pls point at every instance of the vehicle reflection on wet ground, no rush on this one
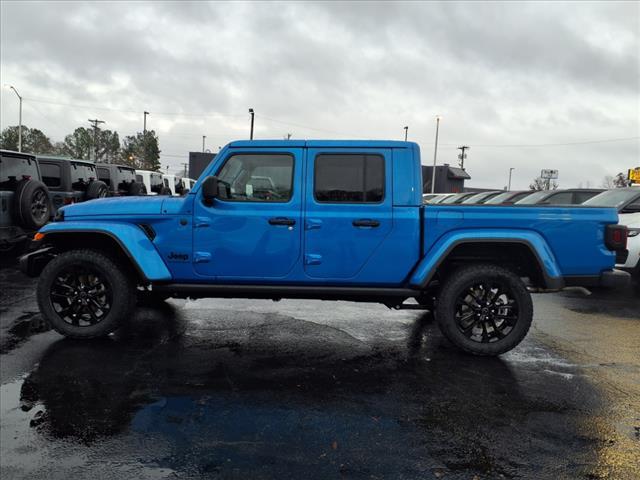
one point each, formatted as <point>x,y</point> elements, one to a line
<point>254,389</point>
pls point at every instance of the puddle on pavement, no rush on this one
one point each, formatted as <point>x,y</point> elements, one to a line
<point>25,326</point>
<point>278,397</point>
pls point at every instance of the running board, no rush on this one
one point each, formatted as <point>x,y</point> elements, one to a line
<point>276,292</point>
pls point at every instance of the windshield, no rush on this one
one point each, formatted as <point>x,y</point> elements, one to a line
<point>612,198</point>
<point>533,198</point>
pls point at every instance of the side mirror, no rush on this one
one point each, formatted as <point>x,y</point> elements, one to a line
<point>210,190</point>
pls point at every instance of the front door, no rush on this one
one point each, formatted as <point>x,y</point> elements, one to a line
<point>255,233</point>
<point>348,211</point>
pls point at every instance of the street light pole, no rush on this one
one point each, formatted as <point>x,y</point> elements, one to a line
<point>203,139</point>
<point>95,123</point>
<point>510,170</point>
<point>435,156</point>
<point>252,113</point>
<point>19,118</point>
<point>406,131</point>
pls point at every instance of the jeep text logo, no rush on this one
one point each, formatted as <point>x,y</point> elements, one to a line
<point>178,256</point>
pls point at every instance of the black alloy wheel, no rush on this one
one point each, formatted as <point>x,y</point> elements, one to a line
<point>86,293</point>
<point>484,309</point>
<point>81,296</point>
<point>486,312</point>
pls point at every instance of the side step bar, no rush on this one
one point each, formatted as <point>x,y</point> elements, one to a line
<point>276,292</point>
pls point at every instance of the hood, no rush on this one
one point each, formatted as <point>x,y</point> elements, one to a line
<point>116,206</point>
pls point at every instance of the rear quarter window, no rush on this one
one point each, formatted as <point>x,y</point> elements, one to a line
<point>51,175</point>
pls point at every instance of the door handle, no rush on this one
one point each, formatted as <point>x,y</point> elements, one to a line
<point>282,221</point>
<point>366,222</point>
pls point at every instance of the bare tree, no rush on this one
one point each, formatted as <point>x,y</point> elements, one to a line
<point>543,184</point>
<point>608,182</point>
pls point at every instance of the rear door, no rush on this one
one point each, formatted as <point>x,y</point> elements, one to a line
<point>348,210</point>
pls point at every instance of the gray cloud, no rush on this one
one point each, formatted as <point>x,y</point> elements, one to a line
<point>500,73</point>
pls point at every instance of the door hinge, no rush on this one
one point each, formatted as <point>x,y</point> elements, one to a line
<point>312,224</point>
<point>201,257</point>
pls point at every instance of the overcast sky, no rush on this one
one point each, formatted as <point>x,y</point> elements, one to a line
<point>501,74</point>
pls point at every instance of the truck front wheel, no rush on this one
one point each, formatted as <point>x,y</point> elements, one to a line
<point>484,309</point>
<point>85,294</point>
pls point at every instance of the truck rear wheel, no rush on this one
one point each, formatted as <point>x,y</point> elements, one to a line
<point>85,294</point>
<point>484,309</point>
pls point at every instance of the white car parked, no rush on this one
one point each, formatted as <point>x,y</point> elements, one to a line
<point>627,201</point>
<point>151,180</point>
<point>173,183</point>
<point>188,183</point>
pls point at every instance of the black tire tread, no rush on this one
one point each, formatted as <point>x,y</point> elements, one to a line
<point>447,297</point>
<point>124,306</point>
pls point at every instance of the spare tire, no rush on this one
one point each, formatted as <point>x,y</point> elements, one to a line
<point>136,189</point>
<point>96,189</point>
<point>31,205</point>
<point>166,191</point>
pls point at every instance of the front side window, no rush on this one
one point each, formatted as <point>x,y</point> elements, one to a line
<point>258,178</point>
<point>50,174</point>
<point>348,178</point>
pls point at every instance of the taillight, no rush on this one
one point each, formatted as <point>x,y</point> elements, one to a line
<point>616,237</point>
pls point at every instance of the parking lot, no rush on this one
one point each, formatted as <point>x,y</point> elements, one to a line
<point>257,389</point>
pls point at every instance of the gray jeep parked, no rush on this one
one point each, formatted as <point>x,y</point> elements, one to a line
<point>120,179</point>
<point>24,199</point>
<point>70,180</point>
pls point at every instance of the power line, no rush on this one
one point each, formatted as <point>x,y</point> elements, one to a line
<point>108,109</point>
<point>586,142</point>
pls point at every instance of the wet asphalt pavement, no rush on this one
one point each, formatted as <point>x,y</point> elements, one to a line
<point>318,390</point>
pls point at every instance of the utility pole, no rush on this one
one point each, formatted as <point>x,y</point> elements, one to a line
<point>435,156</point>
<point>406,132</point>
<point>144,139</point>
<point>510,170</point>
<point>95,123</point>
<point>463,155</point>
<point>252,113</point>
<point>204,137</point>
<point>19,118</point>
<point>185,169</point>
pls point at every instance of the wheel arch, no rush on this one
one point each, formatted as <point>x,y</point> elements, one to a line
<point>128,243</point>
<point>528,255</point>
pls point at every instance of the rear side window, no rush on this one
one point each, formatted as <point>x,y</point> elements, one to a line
<point>562,198</point>
<point>584,196</point>
<point>14,169</point>
<point>347,178</point>
<point>50,174</point>
<point>139,178</point>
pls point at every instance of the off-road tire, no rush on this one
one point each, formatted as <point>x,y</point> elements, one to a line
<point>32,206</point>
<point>462,279</point>
<point>122,291</point>
<point>96,189</point>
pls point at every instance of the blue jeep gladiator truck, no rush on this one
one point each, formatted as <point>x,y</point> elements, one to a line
<point>331,220</point>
